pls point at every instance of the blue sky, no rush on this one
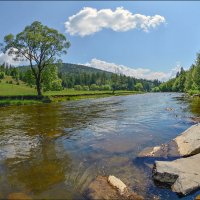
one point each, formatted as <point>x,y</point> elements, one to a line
<point>175,41</point>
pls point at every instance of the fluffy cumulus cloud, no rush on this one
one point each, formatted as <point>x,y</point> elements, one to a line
<point>9,60</point>
<point>90,20</point>
<point>137,72</point>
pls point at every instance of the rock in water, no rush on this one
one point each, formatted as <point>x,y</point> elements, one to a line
<point>18,196</point>
<point>183,175</point>
<point>100,189</point>
<point>189,141</point>
<point>117,183</point>
<point>186,144</point>
<point>197,197</point>
<point>110,188</point>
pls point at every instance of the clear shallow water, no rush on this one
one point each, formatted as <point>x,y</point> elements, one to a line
<point>53,151</point>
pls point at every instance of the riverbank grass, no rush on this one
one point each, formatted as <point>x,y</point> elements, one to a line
<point>16,102</point>
<point>7,89</point>
<point>20,94</point>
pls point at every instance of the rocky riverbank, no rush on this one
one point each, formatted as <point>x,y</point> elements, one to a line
<point>183,173</point>
<point>110,187</point>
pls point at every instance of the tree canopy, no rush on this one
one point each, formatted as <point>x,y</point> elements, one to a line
<point>40,46</point>
<point>185,81</point>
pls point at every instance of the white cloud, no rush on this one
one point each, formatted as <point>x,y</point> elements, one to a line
<point>9,60</point>
<point>137,72</point>
<point>90,20</point>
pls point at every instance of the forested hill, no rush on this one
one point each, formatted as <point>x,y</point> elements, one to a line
<point>185,81</point>
<point>76,68</point>
<point>71,69</point>
<point>74,74</point>
<point>80,77</point>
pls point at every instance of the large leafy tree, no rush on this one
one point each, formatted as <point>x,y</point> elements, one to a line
<point>38,44</point>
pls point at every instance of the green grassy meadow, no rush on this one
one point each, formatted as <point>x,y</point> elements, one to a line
<point>21,89</point>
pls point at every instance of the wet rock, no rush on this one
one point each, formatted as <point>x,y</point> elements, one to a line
<point>197,197</point>
<point>149,151</point>
<point>169,109</point>
<point>107,188</point>
<point>186,144</point>
<point>196,95</point>
<point>196,119</point>
<point>164,150</point>
<point>117,183</point>
<point>18,196</point>
<point>100,189</point>
<point>183,175</point>
<point>189,141</point>
<point>155,198</point>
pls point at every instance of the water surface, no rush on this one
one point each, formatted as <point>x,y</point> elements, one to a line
<point>53,151</point>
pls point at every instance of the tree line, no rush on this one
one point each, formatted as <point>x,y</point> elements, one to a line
<point>55,78</point>
<point>185,81</point>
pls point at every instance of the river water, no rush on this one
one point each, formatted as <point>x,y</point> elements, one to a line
<point>53,151</point>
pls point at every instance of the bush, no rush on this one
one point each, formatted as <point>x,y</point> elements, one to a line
<point>57,85</point>
<point>2,75</point>
<point>192,92</point>
<point>10,82</point>
<point>94,87</point>
<point>17,83</point>
<point>156,89</point>
<point>78,87</point>
<point>105,87</point>
<point>139,87</point>
<point>85,87</point>
<point>46,100</point>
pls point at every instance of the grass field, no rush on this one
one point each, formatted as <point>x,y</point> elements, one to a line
<point>22,90</point>
<point>15,90</point>
<point>8,90</point>
<point>73,92</point>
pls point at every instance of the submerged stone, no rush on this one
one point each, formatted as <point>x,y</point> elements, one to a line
<point>183,175</point>
<point>197,197</point>
<point>195,119</point>
<point>107,188</point>
<point>18,196</point>
<point>186,144</point>
<point>115,182</point>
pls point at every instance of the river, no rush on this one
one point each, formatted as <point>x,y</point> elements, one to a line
<point>53,151</point>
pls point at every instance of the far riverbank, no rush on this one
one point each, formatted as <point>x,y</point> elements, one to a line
<point>59,96</point>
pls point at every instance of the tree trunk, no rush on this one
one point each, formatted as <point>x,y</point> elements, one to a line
<point>38,86</point>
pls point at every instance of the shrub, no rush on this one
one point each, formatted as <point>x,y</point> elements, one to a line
<point>94,87</point>
<point>105,87</point>
<point>85,87</point>
<point>78,87</point>
<point>139,87</point>
<point>156,89</point>
<point>192,92</point>
<point>10,82</point>
<point>2,75</point>
<point>57,85</point>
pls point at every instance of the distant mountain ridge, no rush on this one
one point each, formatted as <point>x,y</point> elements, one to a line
<point>78,68</point>
<point>73,69</point>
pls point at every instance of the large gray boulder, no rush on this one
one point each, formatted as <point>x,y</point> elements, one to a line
<point>183,175</point>
<point>186,144</point>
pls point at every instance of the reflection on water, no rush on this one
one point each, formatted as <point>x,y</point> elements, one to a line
<point>53,151</point>
<point>195,106</point>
